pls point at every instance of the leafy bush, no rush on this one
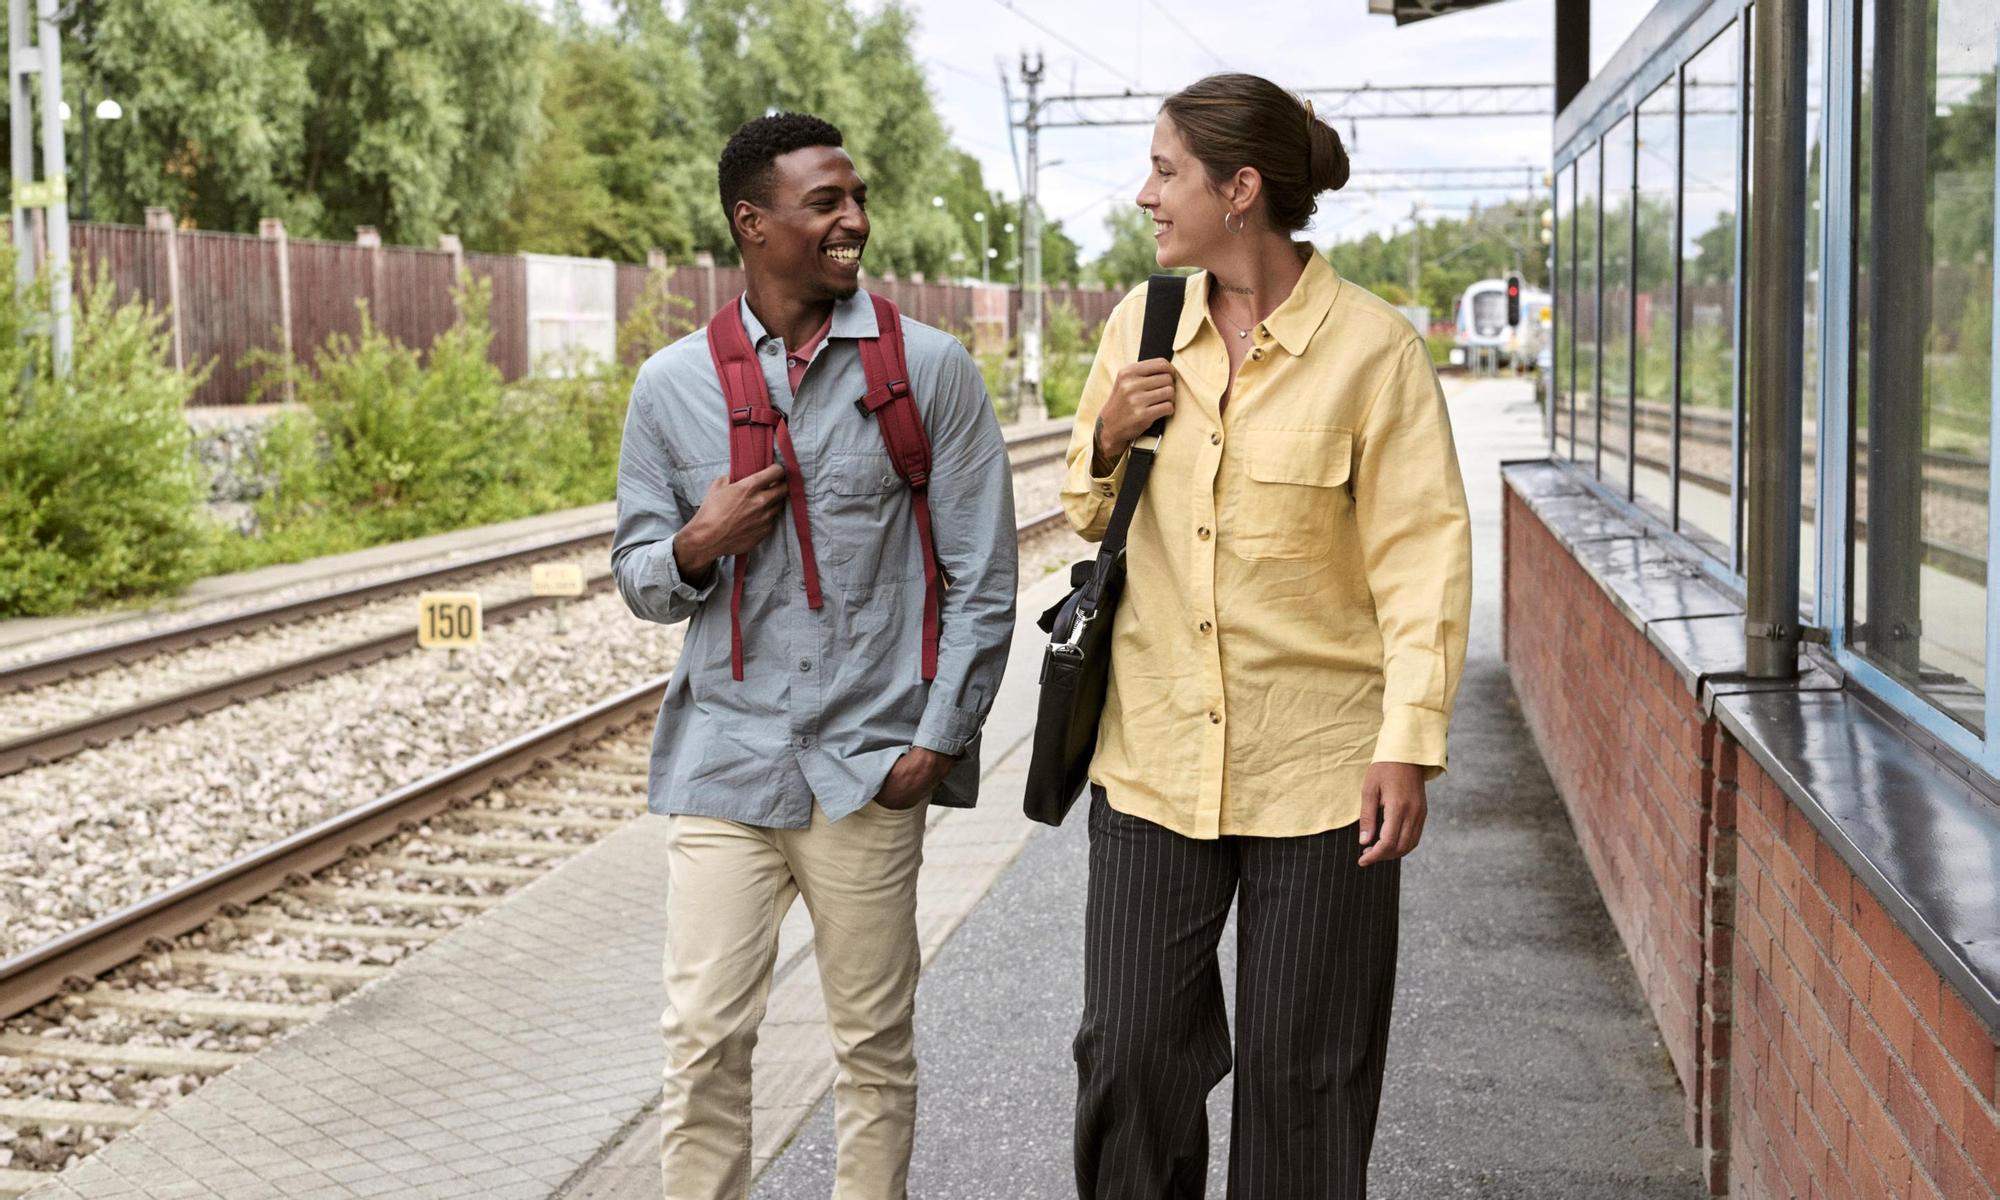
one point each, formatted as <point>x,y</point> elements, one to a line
<point>1066,354</point>
<point>391,445</point>
<point>394,444</point>
<point>100,494</point>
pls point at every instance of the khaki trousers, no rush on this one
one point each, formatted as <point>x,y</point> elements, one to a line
<point>728,888</point>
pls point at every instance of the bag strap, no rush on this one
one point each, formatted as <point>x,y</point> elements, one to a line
<point>890,402</point>
<point>755,428</point>
<point>1165,297</point>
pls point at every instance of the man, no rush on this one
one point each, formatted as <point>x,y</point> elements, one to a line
<point>799,741</point>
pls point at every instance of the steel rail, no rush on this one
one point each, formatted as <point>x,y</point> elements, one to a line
<point>38,974</point>
<point>91,659</point>
<point>76,957</point>
<point>126,651</point>
<point>45,746</point>
<point>1941,555</point>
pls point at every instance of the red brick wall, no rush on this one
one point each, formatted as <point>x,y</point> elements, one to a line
<point>1858,1072</point>
<point>1624,742</point>
<point>1820,1053</point>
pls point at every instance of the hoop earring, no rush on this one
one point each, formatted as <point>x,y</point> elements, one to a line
<point>1242,223</point>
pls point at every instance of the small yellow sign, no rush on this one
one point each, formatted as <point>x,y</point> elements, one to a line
<point>41,193</point>
<point>449,619</point>
<point>556,579</point>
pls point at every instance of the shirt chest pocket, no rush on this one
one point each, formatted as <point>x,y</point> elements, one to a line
<point>865,507</point>
<point>1291,489</point>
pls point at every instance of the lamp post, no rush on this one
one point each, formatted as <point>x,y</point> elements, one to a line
<point>1013,251</point>
<point>985,273</point>
<point>106,110</point>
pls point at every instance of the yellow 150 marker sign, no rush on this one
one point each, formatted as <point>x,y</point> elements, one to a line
<point>448,619</point>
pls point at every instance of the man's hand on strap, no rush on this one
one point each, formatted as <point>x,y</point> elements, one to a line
<point>733,519</point>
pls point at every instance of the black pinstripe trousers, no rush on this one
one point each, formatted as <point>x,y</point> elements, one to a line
<point>1315,975</point>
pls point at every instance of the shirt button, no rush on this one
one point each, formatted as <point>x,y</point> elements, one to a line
<point>887,480</point>
<point>805,664</point>
<point>1215,439</point>
<point>1205,627</point>
<point>806,742</point>
<point>1214,718</point>
<point>770,348</point>
<point>1258,353</point>
<point>1202,533</point>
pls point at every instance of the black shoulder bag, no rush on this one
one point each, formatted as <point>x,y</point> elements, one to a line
<point>1076,667</point>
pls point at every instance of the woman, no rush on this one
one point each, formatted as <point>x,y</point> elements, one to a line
<point>1282,673</point>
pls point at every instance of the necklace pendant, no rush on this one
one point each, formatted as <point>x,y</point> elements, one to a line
<point>1242,333</point>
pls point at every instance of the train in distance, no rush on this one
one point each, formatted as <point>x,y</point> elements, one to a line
<point>1512,329</point>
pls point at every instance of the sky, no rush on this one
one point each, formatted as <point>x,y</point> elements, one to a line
<point>1097,46</point>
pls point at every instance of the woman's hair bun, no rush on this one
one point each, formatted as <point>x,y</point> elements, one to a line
<point>1232,121</point>
<point>1329,156</point>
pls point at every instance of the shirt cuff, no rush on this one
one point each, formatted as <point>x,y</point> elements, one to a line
<point>1107,485</point>
<point>678,583</point>
<point>1411,734</point>
<point>947,729</point>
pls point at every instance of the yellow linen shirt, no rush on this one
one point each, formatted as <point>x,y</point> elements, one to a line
<point>1300,568</point>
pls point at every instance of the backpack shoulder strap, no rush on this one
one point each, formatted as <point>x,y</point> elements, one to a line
<point>755,430</point>
<point>894,408</point>
<point>751,417</point>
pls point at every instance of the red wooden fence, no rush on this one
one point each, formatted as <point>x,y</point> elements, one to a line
<point>231,290</point>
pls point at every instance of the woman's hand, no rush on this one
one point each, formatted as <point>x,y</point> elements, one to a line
<point>1392,810</point>
<point>1142,394</point>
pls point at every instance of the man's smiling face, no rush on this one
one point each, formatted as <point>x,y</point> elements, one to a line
<point>817,224</point>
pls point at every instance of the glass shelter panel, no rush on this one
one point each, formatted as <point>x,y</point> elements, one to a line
<point>1616,313</point>
<point>1708,290</point>
<point>1809,390</point>
<point>1924,312</point>
<point>1588,214</point>
<point>1564,356</point>
<point>1653,318</point>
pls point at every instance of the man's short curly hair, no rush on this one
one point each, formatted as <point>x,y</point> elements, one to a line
<point>744,170</point>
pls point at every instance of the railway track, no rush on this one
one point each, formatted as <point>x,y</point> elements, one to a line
<point>1954,478</point>
<point>47,721</point>
<point>121,1016</point>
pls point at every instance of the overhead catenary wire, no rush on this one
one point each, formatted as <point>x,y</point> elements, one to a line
<point>1059,36</point>
<point>1189,34</point>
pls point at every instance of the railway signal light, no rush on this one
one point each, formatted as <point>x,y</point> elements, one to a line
<point>1513,300</point>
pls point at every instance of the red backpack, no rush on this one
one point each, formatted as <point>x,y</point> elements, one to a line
<point>755,427</point>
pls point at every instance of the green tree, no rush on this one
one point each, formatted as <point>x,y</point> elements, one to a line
<point>414,116</point>
<point>220,156</point>
<point>860,73</point>
<point>1131,257</point>
<point>609,178</point>
<point>1061,261</point>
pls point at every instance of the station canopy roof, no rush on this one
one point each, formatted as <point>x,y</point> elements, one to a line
<point>1406,11</point>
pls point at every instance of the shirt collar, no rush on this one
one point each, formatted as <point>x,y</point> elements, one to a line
<point>805,350</point>
<point>1292,324</point>
<point>1304,311</point>
<point>853,317</point>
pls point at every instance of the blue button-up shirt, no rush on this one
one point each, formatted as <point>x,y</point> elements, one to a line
<point>829,699</point>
